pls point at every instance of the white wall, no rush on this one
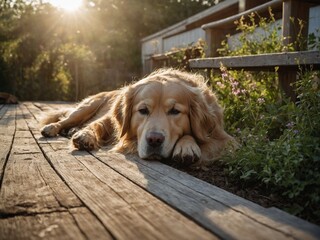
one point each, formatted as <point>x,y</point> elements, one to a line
<point>153,46</point>
<point>184,39</point>
<point>159,45</point>
<point>314,27</point>
<point>258,35</point>
<point>314,21</point>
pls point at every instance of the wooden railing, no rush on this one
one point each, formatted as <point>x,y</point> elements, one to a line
<point>288,62</point>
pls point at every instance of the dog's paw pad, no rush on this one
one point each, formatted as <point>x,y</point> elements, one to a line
<point>50,130</point>
<point>85,140</point>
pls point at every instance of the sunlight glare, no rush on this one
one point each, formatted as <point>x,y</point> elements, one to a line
<point>68,5</point>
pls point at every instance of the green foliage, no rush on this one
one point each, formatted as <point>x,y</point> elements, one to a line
<point>266,40</point>
<point>280,139</point>
<point>49,54</point>
<point>281,146</point>
<point>179,58</point>
<point>314,40</point>
<point>246,94</point>
<point>38,58</point>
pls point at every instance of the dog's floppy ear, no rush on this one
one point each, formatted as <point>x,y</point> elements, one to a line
<point>122,110</point>
<point>206,116</point>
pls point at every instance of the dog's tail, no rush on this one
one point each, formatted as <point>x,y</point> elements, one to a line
<point>53,116</point>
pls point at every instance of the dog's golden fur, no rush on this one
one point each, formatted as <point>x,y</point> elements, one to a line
<point>169,114</point>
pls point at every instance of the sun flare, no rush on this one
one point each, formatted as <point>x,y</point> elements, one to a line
<point>68,5</point>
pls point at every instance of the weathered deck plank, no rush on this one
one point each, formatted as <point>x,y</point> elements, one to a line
<point>30,185</point>
<point>117,202</point>
<point>7,130</point>
<point>34,201</point>
<point>55,225</point>
<point>216,209</point>
<point>91,227</point>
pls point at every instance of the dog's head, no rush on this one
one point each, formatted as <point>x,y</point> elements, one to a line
<point>152,114</point>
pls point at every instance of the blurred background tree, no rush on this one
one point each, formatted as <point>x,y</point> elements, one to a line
<point>47,53</point>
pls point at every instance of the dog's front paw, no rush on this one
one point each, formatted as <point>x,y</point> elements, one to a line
<point>186,151</point>
<point>50,130</point>
<point>85,140</point>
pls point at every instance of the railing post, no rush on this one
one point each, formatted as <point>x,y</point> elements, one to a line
<point>293,10</point>
<point>214,37</point>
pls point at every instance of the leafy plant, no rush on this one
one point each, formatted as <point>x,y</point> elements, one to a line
<point>280,139</point>
<point>179,58</point>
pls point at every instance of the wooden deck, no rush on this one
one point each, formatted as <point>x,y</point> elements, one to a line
<point>49,191</point>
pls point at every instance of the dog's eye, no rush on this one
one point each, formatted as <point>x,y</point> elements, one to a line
<point>144,111</point>
<point>173,111</point>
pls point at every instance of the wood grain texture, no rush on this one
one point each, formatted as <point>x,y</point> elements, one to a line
<point>91,227</point>
<point>34,202</point>
<point>7,130</point>
<point>56,225</point>
<point>124,208</point>
<point>29,184</point>
<point>222,212</point>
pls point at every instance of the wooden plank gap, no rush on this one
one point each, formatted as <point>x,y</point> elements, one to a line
<point>7,138</point>
<point>53,225</point>
<point>89,224</point>
<point>4,215</point>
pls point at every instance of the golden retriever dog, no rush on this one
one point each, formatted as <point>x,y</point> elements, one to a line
<point>170,114</point>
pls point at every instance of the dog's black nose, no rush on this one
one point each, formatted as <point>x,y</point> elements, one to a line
<point>155,139</point>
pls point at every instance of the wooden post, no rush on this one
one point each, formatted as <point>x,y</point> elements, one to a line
<point>292,11</point>
<point>214,37</point>
<point>242,5</point>
<point>287,77</point>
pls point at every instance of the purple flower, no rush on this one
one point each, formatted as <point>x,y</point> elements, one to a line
<point>221,85</point>
<point>236,91</point>
<point>234,83</point>
<point>290,125</point>
<point>224,75</point>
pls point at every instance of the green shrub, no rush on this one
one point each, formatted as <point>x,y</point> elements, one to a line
<point>280,147</point>
<point>280,139</point>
